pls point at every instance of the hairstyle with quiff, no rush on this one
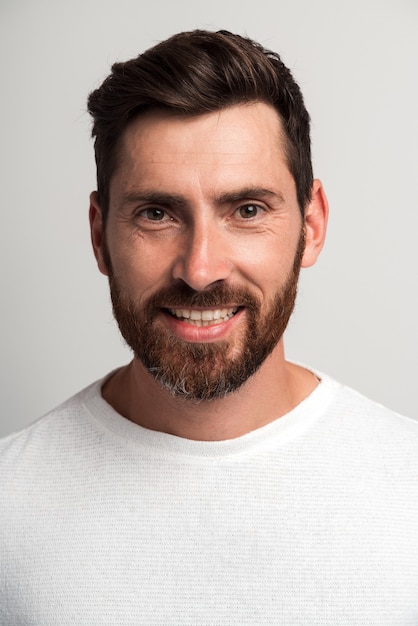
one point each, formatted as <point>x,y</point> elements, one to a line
<point>193,73</point>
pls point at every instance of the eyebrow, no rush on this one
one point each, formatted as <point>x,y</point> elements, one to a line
<point>255,193</point>
<point>230,197</point>
<point>152,197</point>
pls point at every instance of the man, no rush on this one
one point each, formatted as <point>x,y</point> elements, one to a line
<point>209,481</point>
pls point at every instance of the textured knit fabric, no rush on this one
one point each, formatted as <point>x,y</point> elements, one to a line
<point>310,520</point>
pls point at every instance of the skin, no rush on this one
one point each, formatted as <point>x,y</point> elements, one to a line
<point>229,210</point>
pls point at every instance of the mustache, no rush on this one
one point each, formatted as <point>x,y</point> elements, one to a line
<point>220,295</point>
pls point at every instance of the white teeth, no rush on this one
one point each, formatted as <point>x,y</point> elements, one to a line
<point>205,317</point>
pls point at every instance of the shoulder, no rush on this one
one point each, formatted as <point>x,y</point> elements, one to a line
<point>359,428</point>
<point>349,404</point>
<point>61,426</point>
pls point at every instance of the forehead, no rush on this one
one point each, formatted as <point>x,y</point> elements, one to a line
<point>214,150</point>
<point>230,131</point>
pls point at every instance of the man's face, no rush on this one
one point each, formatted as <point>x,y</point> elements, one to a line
<point>203,245</point>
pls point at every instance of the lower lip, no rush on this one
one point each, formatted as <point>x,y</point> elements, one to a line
<point>201,334</point>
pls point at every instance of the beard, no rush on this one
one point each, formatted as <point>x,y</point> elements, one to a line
<point>203,371</point>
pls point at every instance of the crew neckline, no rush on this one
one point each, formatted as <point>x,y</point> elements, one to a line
<point>285,427</point>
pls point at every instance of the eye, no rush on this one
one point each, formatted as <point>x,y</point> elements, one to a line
<point>154,214</point>
<point>153,218</point>
<point>248,211</point>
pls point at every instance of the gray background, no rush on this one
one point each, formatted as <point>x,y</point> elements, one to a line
<point>356,61</point>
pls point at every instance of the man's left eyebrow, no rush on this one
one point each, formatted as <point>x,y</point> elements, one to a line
<point>249,193</point>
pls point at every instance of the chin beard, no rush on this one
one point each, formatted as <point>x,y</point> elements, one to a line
<point>204,371</point>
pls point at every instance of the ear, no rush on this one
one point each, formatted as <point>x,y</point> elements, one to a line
<point>97,232</point>
<point>316,217</point>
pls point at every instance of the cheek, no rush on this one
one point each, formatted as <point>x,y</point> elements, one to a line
<point>269,262</point>
<point>139,270</point>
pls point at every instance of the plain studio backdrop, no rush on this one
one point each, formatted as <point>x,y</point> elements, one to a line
<point>357,310</point>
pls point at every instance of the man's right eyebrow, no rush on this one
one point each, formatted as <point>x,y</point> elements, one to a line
<point>151,197</point>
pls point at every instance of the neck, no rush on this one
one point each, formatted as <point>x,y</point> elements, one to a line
<point>274,390</point>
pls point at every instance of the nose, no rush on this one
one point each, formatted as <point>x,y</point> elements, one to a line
<point>203,257</point>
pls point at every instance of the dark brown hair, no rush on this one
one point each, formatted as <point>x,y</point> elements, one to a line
<point>193,73</point>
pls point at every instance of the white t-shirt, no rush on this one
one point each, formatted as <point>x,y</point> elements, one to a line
<point>310,520</point>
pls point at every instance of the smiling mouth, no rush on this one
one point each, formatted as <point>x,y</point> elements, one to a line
<point>205,317</point>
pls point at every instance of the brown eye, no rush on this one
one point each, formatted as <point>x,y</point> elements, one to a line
<point>249,210</point>
<point>154,214</point>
